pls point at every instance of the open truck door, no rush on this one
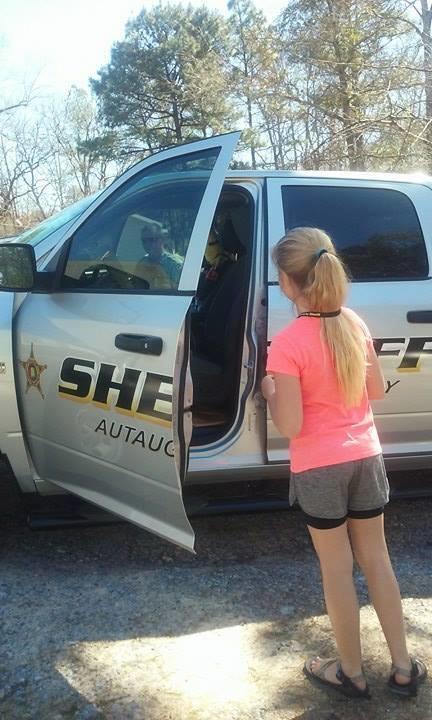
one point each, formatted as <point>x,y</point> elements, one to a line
<point>101,359</point>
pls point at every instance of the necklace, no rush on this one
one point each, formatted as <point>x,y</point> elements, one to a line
<point>315,313</point>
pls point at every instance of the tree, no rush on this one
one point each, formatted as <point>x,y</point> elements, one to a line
<point>418,17</point>
<point>82,140</point>
<point>18,158</point>
<point>247,54</point>
<point>348,62</point>
<point>83,156</point>
<point>22,154</point>
<point>426,36</point>
<point>166,82</point>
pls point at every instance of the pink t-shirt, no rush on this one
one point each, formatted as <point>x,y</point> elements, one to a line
<point>331,432</point>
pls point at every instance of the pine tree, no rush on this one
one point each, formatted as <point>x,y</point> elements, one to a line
<point>166,82</point>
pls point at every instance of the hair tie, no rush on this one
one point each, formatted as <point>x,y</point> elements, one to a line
<point>320,252</point>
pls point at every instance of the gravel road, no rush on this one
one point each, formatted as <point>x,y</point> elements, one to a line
<point>110,622</point>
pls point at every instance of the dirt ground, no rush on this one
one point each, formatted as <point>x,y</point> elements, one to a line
<point>110,622</point>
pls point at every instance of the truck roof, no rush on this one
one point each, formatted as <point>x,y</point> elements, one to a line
<point>415,177</point>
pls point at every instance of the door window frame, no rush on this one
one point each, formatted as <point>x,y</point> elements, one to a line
<point>193,258</point>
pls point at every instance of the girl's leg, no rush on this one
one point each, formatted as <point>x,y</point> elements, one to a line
<point>370,550</point>
<point>336,560</point>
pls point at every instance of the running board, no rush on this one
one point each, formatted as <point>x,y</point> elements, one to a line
<point>87,515</point>
<point>197,508</point>
<point>81,518</point>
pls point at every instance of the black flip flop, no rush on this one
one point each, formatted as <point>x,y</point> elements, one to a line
<point>346,686</point>
<point>416,678</point>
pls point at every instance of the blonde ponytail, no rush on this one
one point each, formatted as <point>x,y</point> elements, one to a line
<point>308,257</point>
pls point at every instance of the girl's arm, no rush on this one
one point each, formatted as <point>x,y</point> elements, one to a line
<point>283,395</point>
<point>375,383</point>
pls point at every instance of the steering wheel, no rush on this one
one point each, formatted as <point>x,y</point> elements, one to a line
<point>107,276</point>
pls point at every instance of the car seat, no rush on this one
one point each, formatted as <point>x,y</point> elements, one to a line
<point>213,365</point>
<point>217,262</point>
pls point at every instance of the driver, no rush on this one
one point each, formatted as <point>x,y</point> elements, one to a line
<point>153,238</point>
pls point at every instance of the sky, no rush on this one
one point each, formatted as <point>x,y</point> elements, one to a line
<point>58,43</point>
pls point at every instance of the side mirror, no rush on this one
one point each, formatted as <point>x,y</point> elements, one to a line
<point>17,267</point>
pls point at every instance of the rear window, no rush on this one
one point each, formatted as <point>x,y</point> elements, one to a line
<point>376,232</point>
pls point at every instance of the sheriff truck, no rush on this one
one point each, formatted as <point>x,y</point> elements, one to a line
<point>134,328</point>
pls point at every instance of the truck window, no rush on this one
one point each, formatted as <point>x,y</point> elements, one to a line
<point>376,231</point>
<point>138,238</point>
<point>35,235</point>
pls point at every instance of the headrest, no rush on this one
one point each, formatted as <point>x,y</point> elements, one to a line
<point>229,238</point>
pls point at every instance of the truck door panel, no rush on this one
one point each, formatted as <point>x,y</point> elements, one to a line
<point>107,423</point>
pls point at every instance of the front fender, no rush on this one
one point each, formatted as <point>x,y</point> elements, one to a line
<point>12,443</point>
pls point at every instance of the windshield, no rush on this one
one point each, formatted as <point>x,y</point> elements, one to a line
<point>36,234</point>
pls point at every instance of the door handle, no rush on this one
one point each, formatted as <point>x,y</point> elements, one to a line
<point>145,344</point>
<point>419,316</point>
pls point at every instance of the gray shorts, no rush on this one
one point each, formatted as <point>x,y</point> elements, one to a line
<point>333,491</point>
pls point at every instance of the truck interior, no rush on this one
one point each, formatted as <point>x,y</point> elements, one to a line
<point>218,317</point>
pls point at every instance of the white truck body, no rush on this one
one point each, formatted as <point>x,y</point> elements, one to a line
<point>123,392</point>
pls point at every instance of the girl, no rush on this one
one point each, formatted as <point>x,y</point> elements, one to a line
<point>323,371</point>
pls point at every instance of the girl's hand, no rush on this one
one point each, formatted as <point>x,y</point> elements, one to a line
<point>268,386</point>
